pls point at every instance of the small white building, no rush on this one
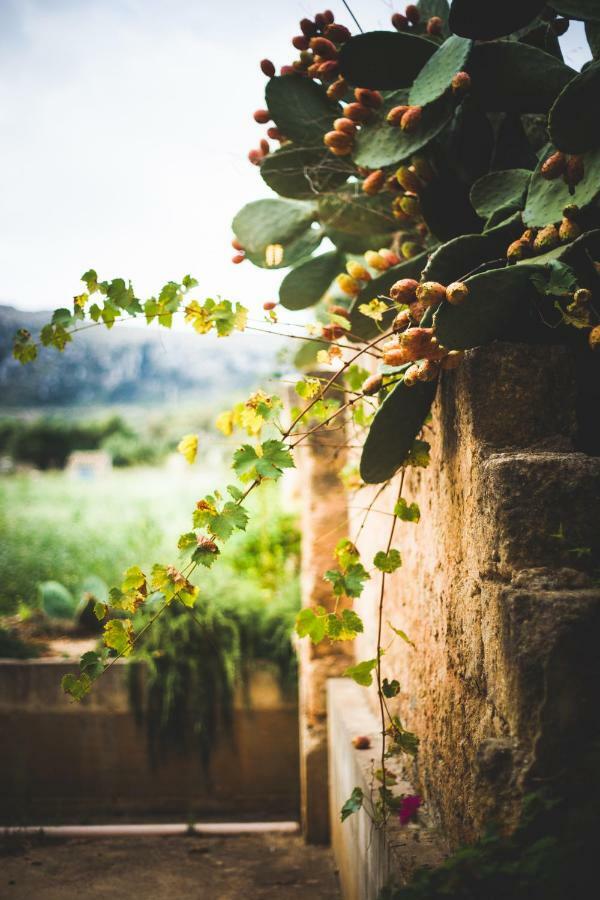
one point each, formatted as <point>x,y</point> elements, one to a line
<point>89,464</point>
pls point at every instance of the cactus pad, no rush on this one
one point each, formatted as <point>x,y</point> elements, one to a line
<point>547,199</point>
<point>397,423</point>
<point>454,260</point>
<point>474,19</point>
<point>500,190</point>
<point>573,121</point>
<point>306,283</point>
<point>300,108</point>
<point>355,212</point>
<point>384,60</point>
<point>361,326</point>
<point>298,172</point>
<point>437,73</point>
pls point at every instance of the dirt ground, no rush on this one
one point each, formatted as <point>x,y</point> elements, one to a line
<point>257,867</point>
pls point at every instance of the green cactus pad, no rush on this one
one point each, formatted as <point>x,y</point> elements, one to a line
<point>587,10</point>
<point>56,601</point>
<point>474,19</point>
<point>508,76</point>
<point>357,243</point>
<point>573,122</point>
<point>397,423</point>
<point>265,222</point>
<point>381,144</point>
<point>500,189</point>
<point>577,253</point>
<point>512,150</point>
<point>437,73</point>
<point>362,326</point>
<point>354,212</point>
<point>300,108</point>
<point>547,199</point>
<point>446,209</point>
<point>592,33</point>
<point>544,38</point>
<point>299,172</point>
<point>454,260</point>
<point>305,284</point>
<point>495,298</point>
<point>306,356</point>
<point>384,60</point>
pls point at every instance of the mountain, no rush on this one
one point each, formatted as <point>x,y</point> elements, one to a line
<point>129,365</point>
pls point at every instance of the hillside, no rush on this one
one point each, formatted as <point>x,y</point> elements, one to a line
<point>129,365</point>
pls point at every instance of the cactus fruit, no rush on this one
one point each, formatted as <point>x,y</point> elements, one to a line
<point>269,305</point>
<point>355,270</point>
<point>394,117</point>
<point>574,171</point>
<point>357,112</point>
<point>376,261</point>
<point>412,14</point>
<point>428,370</point>
<point>267,68</point>
<point>238,258</point>
<point>392,258</point>
<point>308,27</point>
<point>400,22</point>
<point>300,42</point>
<point>275,134</point>
<point>410,205</point>
<point>568,230</point>
<point>416,311</point>
<point>452,360</point>
<point>401,322</point>
<point>594,338</point>
<point>430,293</point>
<point>554,166</point>
<point>372,99</point>
<point>546,239</point>
<point>372,385</point>
<point>417,341</point>
<point>337,89</point>
<point>348,285</point>
<point>237,245</point>
<point>571,212</point>
<point>457,293</point>
<point>339,34</point>
<point>332,332</point>
<point>435,26</point>
<point>361,742</point>
<point>422,169</point>
<point>325,48</point>
<point>338,140</point>
<point>411,119</point>
<point>461,83</point>
<point>374,182</point>
<point>411,376</point>
<point>410,249</point>
<point>339,311</point>
<point>408,179</point>
<point>518,250</point>
<point>397,356</point>
<point>262,116</point>
<point>404,291</point>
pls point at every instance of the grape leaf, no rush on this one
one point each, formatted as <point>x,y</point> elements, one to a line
<point>362,672</point>
<point>352,804</point>
<point>311,623</point>
<point>387,562</point>
<point>118,635</point>
<point>405,512</point>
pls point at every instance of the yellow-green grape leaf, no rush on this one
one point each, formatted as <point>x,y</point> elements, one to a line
<point>311,623</point>
<point>402,634</point>
<point>373,310</point>
<point>118,635</point>
<point>349,583</point>
<point>405,512</point>
<point>91,664</point>
<point>188,447</point>
<point>308,388</point>
<point>362,672</point>
<point>390,688</point>
<point>344,627</point>
<point>387,562</point>
<point>76,687</point>
<point>133,579</point>
<point>346,553</point>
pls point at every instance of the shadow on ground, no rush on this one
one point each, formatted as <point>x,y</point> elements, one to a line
<point>259,867</point>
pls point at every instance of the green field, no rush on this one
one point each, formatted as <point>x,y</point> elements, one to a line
<point>54,527</point>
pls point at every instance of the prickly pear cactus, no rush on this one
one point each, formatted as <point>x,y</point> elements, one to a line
<point>440,186</point>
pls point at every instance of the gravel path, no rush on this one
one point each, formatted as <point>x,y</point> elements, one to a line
<point>257,867</point>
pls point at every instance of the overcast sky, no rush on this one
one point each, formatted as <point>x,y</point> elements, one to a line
<point>124,129</point>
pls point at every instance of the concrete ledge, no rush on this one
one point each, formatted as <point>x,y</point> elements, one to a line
<point>365,857</point>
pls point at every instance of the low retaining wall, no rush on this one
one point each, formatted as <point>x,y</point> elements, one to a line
<point>67,762</point>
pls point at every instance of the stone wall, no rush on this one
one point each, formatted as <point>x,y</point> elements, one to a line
<point>64,762</point>
<point>497,588</point>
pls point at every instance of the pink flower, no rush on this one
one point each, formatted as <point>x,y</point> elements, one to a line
<point>408,808</point>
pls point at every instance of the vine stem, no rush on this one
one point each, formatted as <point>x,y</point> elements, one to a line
<point>382,704</point>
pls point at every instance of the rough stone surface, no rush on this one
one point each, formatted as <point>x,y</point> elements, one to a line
<point>496,590</point>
